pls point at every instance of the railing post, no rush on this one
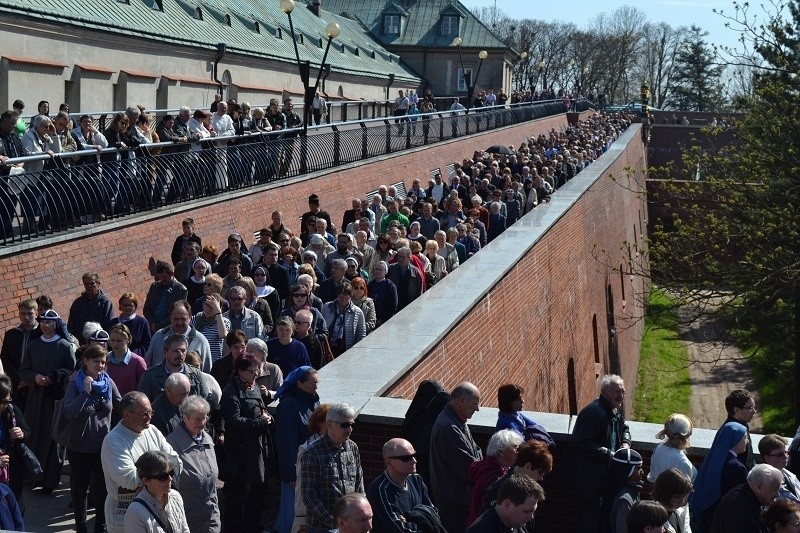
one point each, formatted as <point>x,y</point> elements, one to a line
<point>336,148</point>
<point>364,143</point>
<point>441,127</point>
<point>303,154</point>
<point>388,136</point>
<point>344,112</point>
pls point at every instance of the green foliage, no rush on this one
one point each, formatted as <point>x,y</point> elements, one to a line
<point>662,386</point>
<point>736,242</point>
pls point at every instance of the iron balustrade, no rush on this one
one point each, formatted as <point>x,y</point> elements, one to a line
<point>77,189</point>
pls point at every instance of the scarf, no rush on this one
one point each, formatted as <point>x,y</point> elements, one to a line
<point>291,380</point>
<point>101,387</point>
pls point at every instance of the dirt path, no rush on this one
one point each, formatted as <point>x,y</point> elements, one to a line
<point>718,369</point>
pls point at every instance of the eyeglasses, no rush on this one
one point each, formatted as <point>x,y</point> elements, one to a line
<point>404,458</point>
<point>299,295</point>
<point>345,425</point>
<point>164,476</point>
<point>145,413</point>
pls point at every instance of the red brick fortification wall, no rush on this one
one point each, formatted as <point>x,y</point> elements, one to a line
<point>119,251</point>
<point>547,322</point>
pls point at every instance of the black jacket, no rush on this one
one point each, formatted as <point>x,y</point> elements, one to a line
<point>588,455</point>
<point>247,434</point>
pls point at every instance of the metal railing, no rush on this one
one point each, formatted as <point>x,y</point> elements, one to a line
<point>77,189</point>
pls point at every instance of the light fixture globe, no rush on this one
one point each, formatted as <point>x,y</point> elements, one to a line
<point>483,54</point>
<point>457,41</point>
<point>523,56</point>
<point>287,6</point>
<point>542,64</point>
<point>333,30</point>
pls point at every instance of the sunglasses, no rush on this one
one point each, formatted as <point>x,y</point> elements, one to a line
<point>300,295</point>
<point>346,425</point>
<point>405,458</point>
<point>165,476</point>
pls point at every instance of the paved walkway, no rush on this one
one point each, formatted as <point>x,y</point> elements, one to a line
<point>717,368</point>
<point>51,513</point>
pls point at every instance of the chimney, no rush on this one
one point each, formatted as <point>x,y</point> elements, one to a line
<point>315,7</point>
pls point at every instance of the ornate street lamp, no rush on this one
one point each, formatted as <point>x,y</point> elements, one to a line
<point>469,81</point>
<point>332,31</point>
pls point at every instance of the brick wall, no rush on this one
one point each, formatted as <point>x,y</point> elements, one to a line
<point>546,307</point>
<point>119,251</point>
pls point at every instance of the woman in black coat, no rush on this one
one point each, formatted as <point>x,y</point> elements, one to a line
<point>13,432</point>
<point>247,447</point>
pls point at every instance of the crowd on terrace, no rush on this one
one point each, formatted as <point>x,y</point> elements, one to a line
<point>140,172</point>
<point>156,404</point>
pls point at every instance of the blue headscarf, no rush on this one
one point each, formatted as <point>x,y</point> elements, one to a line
<point>291,380</point>
<point>708,483</point>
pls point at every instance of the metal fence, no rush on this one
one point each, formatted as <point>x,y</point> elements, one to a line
<point>77,189</point>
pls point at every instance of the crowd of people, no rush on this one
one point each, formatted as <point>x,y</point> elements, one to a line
<point>155,406</point>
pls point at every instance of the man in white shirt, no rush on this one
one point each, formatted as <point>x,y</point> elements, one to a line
<point>319,108</point>
<point>123,445</point>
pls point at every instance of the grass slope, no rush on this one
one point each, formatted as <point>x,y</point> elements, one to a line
<point>663,384</point>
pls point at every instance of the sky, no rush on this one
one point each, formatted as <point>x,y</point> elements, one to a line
<point>580,12</point>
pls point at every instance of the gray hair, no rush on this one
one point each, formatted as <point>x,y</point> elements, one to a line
<point>764,474</point>
<point>175,379</point>
<point>339,412</point>
<point>339,263</point>
<point>310,254</point>
<point>405,251</point>
<point>610,379</point>
<point>89,328</point>
<point>194,405</point>
<point>41,120</point>
<point>236,289</point>
<point>185,109</point>
<point>500,441</point>
<point>129,400</point>
<point>132,112</point>
<point>257,345</point>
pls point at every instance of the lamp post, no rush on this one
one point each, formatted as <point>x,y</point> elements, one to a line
<point>535,81</point>
<point>332,31</point>
<point>468,79</point>
<point>522,57</point>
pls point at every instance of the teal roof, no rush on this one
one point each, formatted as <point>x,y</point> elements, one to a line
<point>422,25</point>
<point>248,27</point>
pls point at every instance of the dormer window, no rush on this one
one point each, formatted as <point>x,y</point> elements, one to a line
<point>198,13</point>
<point>227,20</point>
<point>449,25</point>
<point>256,27</point>
<point>391,24</point>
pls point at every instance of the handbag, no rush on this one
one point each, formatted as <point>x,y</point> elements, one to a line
<point>65,431</point>
<point>33,469</point>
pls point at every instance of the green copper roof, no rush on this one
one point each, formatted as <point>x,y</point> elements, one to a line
<point>422,23</point>
<point>248,27</point>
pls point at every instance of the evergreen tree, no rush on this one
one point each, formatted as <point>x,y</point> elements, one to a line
<point>696,79</point>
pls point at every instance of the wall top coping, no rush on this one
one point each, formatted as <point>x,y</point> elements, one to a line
<point>391,411</point>
<point>372,366</point>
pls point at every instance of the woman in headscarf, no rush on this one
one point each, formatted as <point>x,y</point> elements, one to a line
<point>298,399</point>
<point>47,363</point>
<point>721,471</point>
